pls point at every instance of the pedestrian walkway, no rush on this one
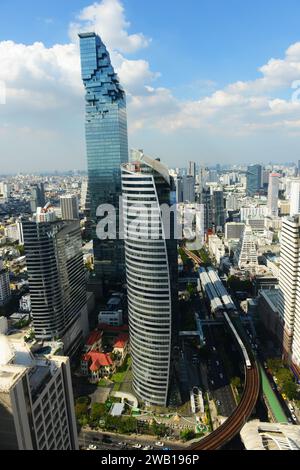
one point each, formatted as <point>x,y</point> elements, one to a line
<point>271,398</point>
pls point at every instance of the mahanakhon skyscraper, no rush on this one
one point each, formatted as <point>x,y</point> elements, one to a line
<point>107,148</point>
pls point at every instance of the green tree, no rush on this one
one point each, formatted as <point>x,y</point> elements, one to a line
<point>159,430</point>
<point>290,389</point>
<point>81,410</point>
<point>187,435</point>
<point>98,410</point>
<point>236,382</point>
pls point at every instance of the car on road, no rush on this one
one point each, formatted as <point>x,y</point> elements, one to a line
<point>294,417</point>
<point>159,444</point>
<point>106,439</point>
<point>147,448</point>
<point>214,349</point>
<point>212,382</point>
<point>218,402</point>
<point>221,376</point>
<point>92,447</point>
<point>218,363</point>
<point>137,446</point>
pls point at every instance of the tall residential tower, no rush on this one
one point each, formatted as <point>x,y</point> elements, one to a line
<point>56,281</point>
<point>151,270</point>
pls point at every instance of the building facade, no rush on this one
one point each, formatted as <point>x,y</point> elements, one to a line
<point>5,292</point>
<point>69,207</point>
<point>218,210</point>
<point>151,271</point>
<point>37,198</point>
<point>289,284</point>
<point>107,148</point>
<point>295,197</point>
<point>254,178</point>
<point>273,191</point>
<point>36,400</point>
<point>56,280</point>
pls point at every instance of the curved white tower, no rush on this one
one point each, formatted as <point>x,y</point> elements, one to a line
<point>151,264</point>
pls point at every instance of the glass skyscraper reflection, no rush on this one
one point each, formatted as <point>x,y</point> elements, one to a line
<point>107,147</point>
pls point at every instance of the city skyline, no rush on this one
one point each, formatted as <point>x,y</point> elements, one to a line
<point>150,281</point>
<point>228,110</point>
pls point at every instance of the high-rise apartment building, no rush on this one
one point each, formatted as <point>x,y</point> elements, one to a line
<point>56,281</point>
<point>36,400</point>
<point>289,283</point>
<point>295,197</point>
<point>254,178</point>
<point>69,207</point>
<point>5,292</point>
<point>151,271</point>
<point>273,191</point>
<point>205,198</point>
<point>218,210</point>
<point>213,176</point>
<point>192,169</point>
<point>233,202</point>
<point>188,188</point>
<point>37,198</point>
<point>5,189</point>
<point>107,148</point>
<point>234,230</point>
<point>246,253</point>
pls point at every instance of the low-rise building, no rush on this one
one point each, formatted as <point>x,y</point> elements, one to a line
<point>97,365</point>
<point>121,346</point>
<point>25,303</point>
<point>113,318</point>
<point>94,341</point>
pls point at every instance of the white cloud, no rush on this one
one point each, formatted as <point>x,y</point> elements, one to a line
<point>44,88</point>
<point>107,18</point>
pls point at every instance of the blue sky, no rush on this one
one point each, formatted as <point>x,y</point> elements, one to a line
<point>194,49</point>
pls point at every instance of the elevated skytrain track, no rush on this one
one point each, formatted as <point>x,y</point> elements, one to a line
<point>217,294</point>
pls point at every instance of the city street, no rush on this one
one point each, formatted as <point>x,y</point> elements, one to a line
<point>121,442</point>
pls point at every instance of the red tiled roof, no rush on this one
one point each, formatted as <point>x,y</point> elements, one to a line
<point>121,341</point>
<point>98,360</point>
<point>94,337</point>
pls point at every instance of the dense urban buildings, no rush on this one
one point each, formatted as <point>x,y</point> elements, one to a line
<point>107,148</point>
<point>162,304</point>
<point>151,271</point>
<point>56,281</point>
